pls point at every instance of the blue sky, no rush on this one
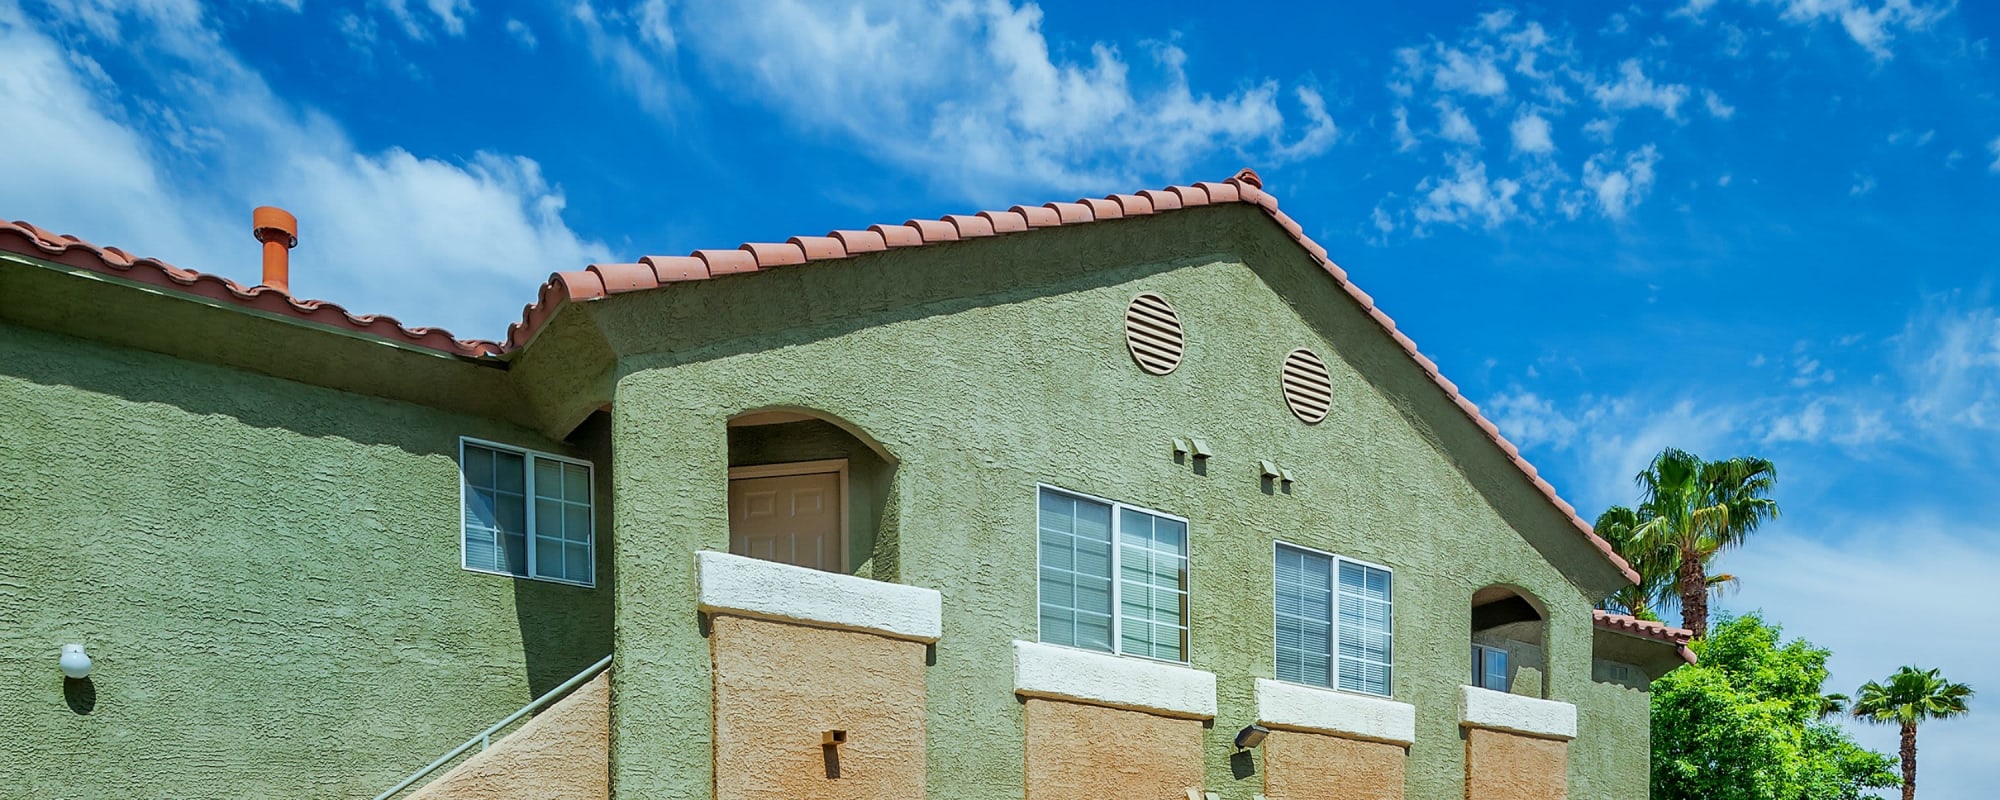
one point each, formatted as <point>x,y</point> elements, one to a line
<point>1736,226</point>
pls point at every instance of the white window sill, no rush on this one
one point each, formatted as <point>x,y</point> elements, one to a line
<point>1485,708</point>
<point>1317,710</point>
<point>557,581</point>
<point>1141,684</point>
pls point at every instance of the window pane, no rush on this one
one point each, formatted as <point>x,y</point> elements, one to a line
<point>478,467</point>
<point>577,563</point>
<point>510,513</point>
<point>549,519</point>
<point>508,474</point>
<point>1153,569</point>
<point>576,483</point>
<point>548,478</point>
<point>1365,627</point>
<point>549,558</point>
<point>480,550</point>
<point>514,547</point>
<point>479,509</point>
<point>1075,584</point>
<point>1304,583</point>
<point>576,522</point>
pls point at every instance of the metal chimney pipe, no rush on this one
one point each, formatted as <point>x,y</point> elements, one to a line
<point>279,231</point>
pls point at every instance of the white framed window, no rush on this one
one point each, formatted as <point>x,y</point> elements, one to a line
<point>1333,621</point>
<point>1114,577</point>
<point>1489,668</point>
<point>526,513</point>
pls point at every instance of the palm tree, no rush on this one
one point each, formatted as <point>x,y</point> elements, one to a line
<point>1691,510</point>
<point>1910,697</point>
<point>1654,591</point>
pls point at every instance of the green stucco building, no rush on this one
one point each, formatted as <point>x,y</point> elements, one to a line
<point>1060,501</point>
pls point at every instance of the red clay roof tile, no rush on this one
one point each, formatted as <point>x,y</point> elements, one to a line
<point>1245,187</point>
<point>1072,213</point>
<point>727,262</point>
<point>970,226</point>
<point>1005,221</point>
<point>819,248</point>
<point>1645,629</point>
<point>858,242</point>
<point>774,255</point>
<point>935,230</point>
<point>674,269</point>
<point>1162,201</point>
<point>26,239</point>
<point>625,277</point>
<point>1133,205</point>
<point>1190,196</point>
<point>1103,208</point>
<point>1038,216</point>
<point>904,235</point>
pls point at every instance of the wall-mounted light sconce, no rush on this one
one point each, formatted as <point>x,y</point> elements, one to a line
<point>1251,736</point>
<point>75,663</point>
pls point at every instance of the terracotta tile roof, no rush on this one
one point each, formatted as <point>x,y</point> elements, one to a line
<point>28,240</point>
<point>1645,629</point>
<point>602,280</point>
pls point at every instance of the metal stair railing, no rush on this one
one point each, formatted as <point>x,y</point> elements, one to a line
<point>484,738</point>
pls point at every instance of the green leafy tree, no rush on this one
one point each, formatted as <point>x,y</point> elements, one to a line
<point>1745,724</point>
<point>1690,511</point>
<point>1911,697</point>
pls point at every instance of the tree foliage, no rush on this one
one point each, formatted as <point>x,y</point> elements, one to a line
<point>1911,697</point>
<point>1744,724</point>
<point>1689,511</point>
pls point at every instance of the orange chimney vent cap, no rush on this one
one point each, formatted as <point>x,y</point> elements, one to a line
<point>271,221</point>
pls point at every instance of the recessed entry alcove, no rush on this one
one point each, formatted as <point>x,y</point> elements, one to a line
<point>811,490</point>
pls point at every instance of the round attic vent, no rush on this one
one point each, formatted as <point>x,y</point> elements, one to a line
<point>1308,387</point>
<point>1153,334</point>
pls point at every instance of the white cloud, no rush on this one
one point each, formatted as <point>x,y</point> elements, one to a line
<point>522,34</point>
<point>1617,187</point>
<point>1634,90</point>
<point>1454,126</point>
<point>429,240</point>
<point>449,15</point>
<point>1693,10</point>
<point>1991,147</point>
<point>1873,26</point>
<point>973,95</point>
<point>1405,140</point>
<point>1467,197</point>
<point>1863,184</point>
<point>1531,134</point>
<point>1529,420</point>
<point>1715,105</point>
<point>1951,357</point>
<point>1725,179</point>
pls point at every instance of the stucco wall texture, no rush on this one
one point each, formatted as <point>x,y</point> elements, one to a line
<point>266,575</point>
<point>779,687</point>
<point>1079,751</point>
<point>988,367</point>
<point>1509,766</point>
<point>1310,766</point>
<point>563,753</point>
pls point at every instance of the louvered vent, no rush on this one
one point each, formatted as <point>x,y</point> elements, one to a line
<point>1153,334</point>
<point>1308,387</point>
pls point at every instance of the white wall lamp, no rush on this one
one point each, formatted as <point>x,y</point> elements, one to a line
<point>1251,736</point>
<point>75,663</point>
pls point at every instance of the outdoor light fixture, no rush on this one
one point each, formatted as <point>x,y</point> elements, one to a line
<point>1251,736</point>
<point>74,662</point>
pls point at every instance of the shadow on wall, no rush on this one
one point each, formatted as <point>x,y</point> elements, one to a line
<point>258,401</point>
<point>565,628</point>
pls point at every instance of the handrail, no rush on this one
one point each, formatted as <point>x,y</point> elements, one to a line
<point>485,737</point>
